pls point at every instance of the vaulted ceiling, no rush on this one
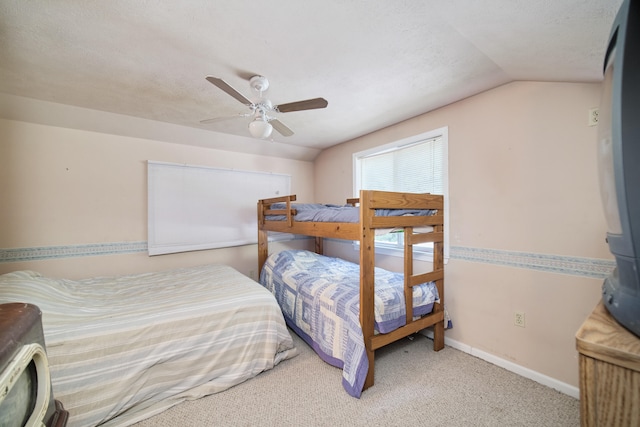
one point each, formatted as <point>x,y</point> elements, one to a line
<point>376,62</point>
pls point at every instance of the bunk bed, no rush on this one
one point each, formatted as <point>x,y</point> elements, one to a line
<point>419,216</point>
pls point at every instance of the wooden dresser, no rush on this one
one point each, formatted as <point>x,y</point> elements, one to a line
<point>609,372</point>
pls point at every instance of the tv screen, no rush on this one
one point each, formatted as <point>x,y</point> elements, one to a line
<point>25,378</point>
<point>26,397</point>
<point>619,164</point>
<point>19,403</point>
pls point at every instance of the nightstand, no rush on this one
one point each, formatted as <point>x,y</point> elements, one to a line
<point>609,372</point>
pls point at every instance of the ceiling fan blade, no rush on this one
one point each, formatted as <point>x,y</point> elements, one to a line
<point>309,104</point>
<point>281,127</point>
<point>219,119</point>
<point>221,84</point>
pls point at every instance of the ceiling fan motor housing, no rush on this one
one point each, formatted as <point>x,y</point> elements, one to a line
<point>259,83</point>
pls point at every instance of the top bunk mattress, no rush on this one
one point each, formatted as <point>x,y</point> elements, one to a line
<point>315,212</point>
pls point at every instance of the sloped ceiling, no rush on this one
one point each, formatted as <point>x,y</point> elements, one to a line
<point>377,62</point>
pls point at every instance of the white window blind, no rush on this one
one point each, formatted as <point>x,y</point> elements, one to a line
<point>413,168</point>
<point>198,207</point>
<point>415,165</point>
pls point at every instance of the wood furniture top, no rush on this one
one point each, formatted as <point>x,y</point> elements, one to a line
<point>603,338</point>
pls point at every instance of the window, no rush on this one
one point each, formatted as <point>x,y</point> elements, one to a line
<point>418,165</point>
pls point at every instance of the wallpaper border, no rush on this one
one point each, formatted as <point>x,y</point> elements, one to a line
<point>576,266</point>
<point>70,251</point>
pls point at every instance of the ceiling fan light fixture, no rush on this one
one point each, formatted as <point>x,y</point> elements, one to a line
<point>260,128</point>
<point>262,125</point>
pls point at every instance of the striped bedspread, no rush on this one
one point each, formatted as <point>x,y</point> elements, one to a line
<point>319,297</point>
<point>122,349</point>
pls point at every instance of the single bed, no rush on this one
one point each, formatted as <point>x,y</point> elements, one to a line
<point>122,349</point>
<point>419,216</point>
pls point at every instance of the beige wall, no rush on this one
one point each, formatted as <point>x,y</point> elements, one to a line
<point>64,188</point>
<point>522,180</point>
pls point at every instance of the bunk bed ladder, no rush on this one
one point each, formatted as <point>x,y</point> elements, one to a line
<point>369,200</point>
<point>436,275</point>
<point>436,317</point>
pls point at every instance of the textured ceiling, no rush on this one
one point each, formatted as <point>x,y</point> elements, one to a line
<point>377,62</point>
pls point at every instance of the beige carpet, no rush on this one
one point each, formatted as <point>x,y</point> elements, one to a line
<point>415,386</point>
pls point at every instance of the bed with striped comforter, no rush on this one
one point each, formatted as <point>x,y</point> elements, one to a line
<point>122,349</point>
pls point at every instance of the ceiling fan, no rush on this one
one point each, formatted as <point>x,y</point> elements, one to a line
<point>262,124</point>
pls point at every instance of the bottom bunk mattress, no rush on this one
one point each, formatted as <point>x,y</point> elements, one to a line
<point>122,349</point>
<point>320,300</point>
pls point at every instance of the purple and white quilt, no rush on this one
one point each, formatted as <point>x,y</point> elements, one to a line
<point>319,297</point>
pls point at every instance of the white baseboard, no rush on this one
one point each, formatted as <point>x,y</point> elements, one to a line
<point>510,366</point>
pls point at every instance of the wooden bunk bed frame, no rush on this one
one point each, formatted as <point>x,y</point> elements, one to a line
<point>364,232</point>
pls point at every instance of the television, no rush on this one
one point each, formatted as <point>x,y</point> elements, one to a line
<point>26,396</point>
<point>619,165</point>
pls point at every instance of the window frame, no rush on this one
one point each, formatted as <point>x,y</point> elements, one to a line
<point>398,250</point>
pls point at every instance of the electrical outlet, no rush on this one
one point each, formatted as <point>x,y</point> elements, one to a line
<point>593,117</point>
<point>518,319</point>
